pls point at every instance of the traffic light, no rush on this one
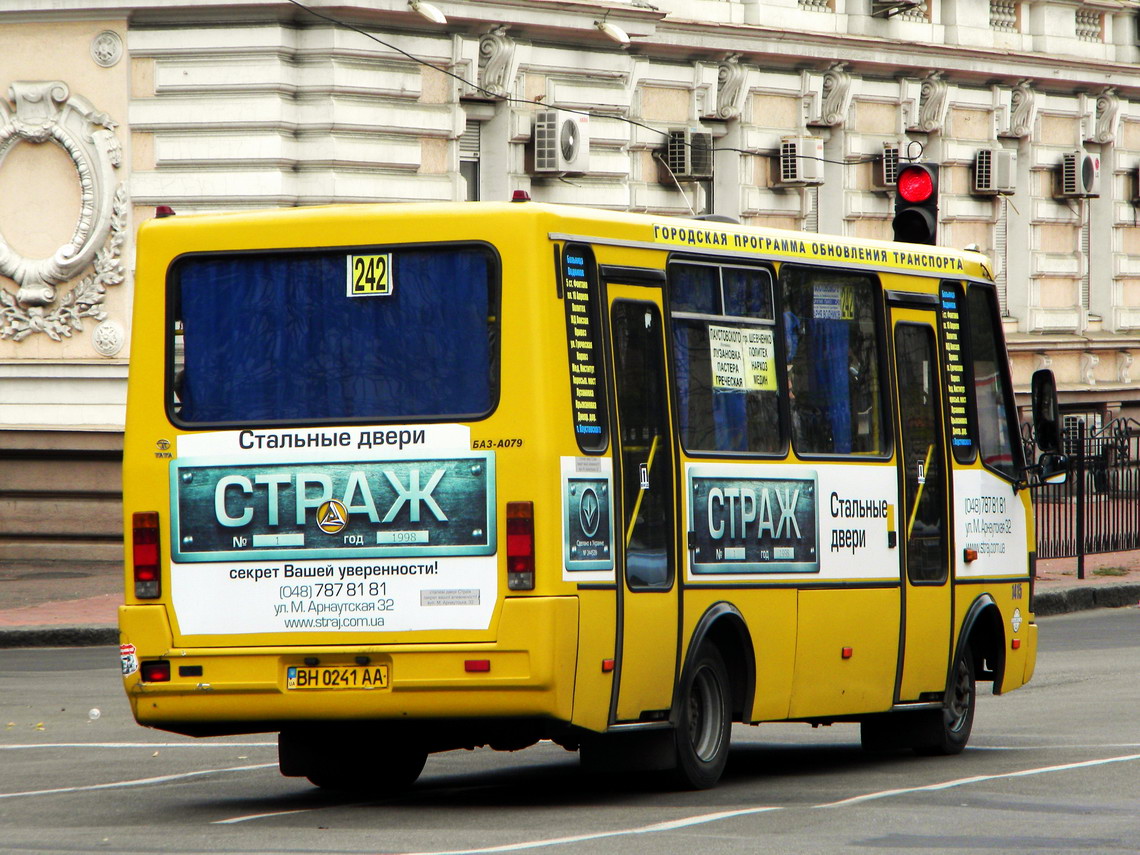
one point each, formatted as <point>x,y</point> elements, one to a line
<point>916,204</point>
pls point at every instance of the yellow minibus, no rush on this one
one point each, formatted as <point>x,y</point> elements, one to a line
<point>400,479</point>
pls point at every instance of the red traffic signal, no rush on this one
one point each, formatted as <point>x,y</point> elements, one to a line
<point>916,204</point>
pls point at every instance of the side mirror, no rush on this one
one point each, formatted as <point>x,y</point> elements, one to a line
<point>1054,468</point>
<point>1046,413</point>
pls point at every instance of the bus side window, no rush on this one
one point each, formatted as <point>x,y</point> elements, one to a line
<point>992,389</point>
<point>831,347</point>
<point>724,357</point>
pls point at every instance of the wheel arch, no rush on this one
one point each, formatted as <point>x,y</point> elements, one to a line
<point>723,626</point>
<point>984,631</point>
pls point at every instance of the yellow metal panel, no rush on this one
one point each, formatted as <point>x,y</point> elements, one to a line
<point>531,673</point>
<point>865,621</point>
<point>593,686</point>
<point>770,615</point>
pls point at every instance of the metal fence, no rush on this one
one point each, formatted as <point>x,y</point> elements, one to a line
<point>1097,509</point>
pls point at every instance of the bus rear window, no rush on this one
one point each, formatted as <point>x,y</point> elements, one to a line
<point>337,335</point>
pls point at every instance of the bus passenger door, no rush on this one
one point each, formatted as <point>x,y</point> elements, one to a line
<point>645,491</point>
<point>924,526</point>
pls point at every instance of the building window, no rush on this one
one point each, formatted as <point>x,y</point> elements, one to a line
<point>469,158</point>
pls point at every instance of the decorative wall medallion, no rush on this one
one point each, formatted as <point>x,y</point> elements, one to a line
<point>108,338</point>
<point>45,111</point>
<point>107,48</point>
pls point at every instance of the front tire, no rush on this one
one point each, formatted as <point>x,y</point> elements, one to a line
<point>703,721</point>
<point>930,732</point>
<point>947,731</point>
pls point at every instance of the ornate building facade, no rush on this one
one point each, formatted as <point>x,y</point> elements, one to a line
<point>788,113</point>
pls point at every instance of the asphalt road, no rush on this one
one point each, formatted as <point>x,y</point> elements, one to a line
<point>1053,767</point>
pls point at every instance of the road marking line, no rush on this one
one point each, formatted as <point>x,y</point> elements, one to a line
<point>1055,746</point>
<point>139,745</point>
<point>715,817</point>
<point>977,779</point>
<point>235,820</point>
<point>140,782</point>
<point>670,825</point>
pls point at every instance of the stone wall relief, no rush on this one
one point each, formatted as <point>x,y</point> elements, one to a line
<point>1105,116</point>
<point>730,89</point>
<point>496,63</point>
<point>1015,110</point>
<point>836,95</point>
<point>826,96</point>
<point>1124,366</point>
<point>932,103</point>
<point>40,112</point>
<point>1023,110</point>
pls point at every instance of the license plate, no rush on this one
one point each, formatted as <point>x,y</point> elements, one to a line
<point>330,677</point>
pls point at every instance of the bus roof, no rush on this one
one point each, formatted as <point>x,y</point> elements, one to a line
<point>300,226</point>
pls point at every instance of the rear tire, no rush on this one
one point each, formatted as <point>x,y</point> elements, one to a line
<point>391,774</point>
<point>704,721</point>
<point>346,765</point>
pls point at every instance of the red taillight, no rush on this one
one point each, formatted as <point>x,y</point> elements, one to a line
<point>520,546</point>
<point>144,543</point>
<point>155,672</point>
<point>915,185</point>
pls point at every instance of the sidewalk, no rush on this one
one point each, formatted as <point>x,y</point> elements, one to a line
<point>68,606</point>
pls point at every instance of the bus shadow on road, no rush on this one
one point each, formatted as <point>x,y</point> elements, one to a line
<point>559,781</point>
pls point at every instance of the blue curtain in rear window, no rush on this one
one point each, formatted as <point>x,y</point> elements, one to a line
<point>275,338</point>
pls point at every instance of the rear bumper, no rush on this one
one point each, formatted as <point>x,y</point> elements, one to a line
<point>229,689</point>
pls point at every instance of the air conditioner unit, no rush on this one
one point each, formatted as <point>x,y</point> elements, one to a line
<point>688,153</point>
<point>887,166</point>
<point>995,171</point>
<point>561,142</point>
<point>1080,173</point>
<point>801,161</point>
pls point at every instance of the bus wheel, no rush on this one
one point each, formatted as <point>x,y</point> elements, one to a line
<point>947,731</point>
<point>386,773</point>
<point>345,765</point>
<point>703,721</point>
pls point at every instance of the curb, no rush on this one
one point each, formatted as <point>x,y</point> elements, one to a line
<point>1045,604</point>
<point>59,636</point>
<point>1066,600</point>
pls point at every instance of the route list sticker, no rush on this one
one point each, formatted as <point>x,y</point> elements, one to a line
<point>955,374</point>
<point>742,358</point>
<point>584,376</point>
